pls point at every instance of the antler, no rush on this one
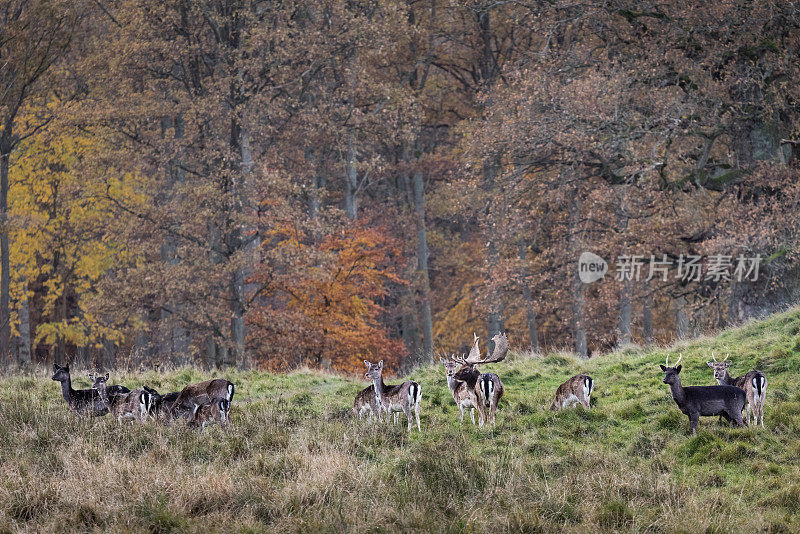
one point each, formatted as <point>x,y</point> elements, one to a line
<point>666,363</point>
<point>474,355</point>
<point>712,355</point>
<point>499,354</point>
<point>726,356</point>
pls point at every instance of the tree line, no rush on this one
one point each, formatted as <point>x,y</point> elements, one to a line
<point>278,184</point>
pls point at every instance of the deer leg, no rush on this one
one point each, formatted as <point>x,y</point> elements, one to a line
<point>481,414</point>
<point>694,417</point>
<point>748,408</point>
<point>461,416</point>
<point>416,414</point>
<point>472,415</point>
<point>407,411</point>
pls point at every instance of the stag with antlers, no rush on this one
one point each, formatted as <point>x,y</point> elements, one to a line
<point>487,386</point>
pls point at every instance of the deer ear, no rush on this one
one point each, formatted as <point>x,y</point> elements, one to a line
<point>662,367</point>
<point>710,364</point>
<point>106,376</point>
<point>55,367</point>
<point>66,368</point>
<point>678,369</point>
<point>367,363</point>
<point>91,376</point>
<point>380,364</point>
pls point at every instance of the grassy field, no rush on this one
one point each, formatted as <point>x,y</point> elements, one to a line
<point>296,461</point>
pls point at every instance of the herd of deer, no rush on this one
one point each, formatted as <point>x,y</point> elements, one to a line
<point>472,390</point>
<point>200,404</point>
<point>209,402</point>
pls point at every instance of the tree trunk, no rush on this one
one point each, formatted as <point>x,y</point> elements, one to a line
<point>422,266</point>
<point>5,268</point>
<point>494,322</point>
<point>647,314</point>
<point>527,298</point>
<point>351,178</point>
<point>24,328</point>
<point>624,313</point>
<point>681,318</point>
<point>109,354</point>
<point>578,297</point>
<point>626,289</point>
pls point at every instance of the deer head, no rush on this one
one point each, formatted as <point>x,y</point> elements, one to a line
<point>671,373</point>
<point>60,374</point>
<point>720,367</point>
<point>100,383</point>
<point>374,370</point>
<point>450,366</point>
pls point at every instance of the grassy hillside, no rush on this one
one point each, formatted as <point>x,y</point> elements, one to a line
<point>295,461</point>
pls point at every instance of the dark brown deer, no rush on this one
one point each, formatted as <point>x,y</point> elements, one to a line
<point>217,411</point>
<point>753,383</point>
<point>160,404</point>
<point>577,389</point>
<point>82,401</point>
<point>405,397</point>
<point>132,405</point>
<point>694,401</point>
<point>201,393</point>
<point>487,386</point>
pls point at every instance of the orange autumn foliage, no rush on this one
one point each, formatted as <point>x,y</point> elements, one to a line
<point>325,310</point>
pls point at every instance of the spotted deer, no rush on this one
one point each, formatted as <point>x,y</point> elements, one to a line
<point>694,401</point>
<point>82,401</point>
<point>217,411</point>
<point>466,398</point>
<point>753,383</point>
<point>366,402</point>
<point>488,387</point>
<point>132,405</point>
<point>405,397</point>
<point>576,390</point>
<point>201,393</point>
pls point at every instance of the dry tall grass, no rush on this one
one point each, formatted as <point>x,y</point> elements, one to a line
<point>296,462</point>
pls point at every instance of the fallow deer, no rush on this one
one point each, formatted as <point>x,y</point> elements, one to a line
<point>405,397</point>
<point>201,393</point>
<point>753,383</point>
<point>694,401</point>
<point>82,401</point>
<point>217,411</point>
<point>488,387</point>
<point>132,405</point>
<point>160,404</point>
<point>577,389</point>
<point>466,398</point>
<point>366,402</point>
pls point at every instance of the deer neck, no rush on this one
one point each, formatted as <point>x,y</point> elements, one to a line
<point>104,397</point>
<point>452,383</point>
<point>380,388</point>
<point>726,379</point>
<point>677,392</point>
<point>66,389</point>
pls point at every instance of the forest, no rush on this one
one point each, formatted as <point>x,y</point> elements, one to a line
<point>312,183</point>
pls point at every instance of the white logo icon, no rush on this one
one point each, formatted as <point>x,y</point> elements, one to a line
<point>591,267</point>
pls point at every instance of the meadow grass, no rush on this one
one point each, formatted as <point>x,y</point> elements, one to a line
<point>296,461</point>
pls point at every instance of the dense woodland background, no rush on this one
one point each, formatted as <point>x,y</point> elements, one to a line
<point>287,183</point>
